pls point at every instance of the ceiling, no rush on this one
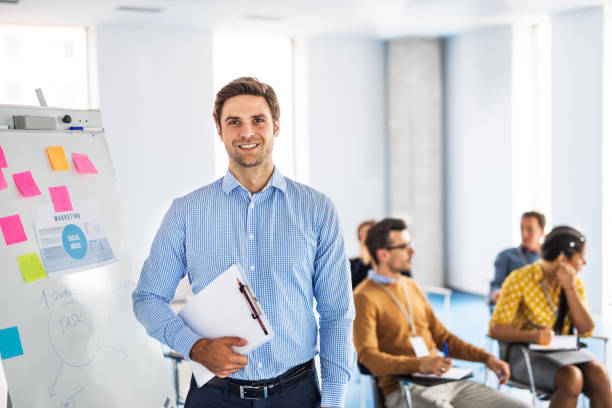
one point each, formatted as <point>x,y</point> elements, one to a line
<point>369,18</point>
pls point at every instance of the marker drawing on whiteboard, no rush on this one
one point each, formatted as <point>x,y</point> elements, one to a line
<point>86,129</point>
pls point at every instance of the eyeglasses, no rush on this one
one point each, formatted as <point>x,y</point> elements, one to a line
<point>407,245</point>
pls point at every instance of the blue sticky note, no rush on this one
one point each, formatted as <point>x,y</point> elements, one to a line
<point>10,343</point>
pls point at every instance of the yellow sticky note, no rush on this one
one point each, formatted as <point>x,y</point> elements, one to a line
<point>57,158</point>
<point>31,268</point>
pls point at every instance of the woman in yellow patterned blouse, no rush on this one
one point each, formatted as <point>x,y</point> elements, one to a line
<point>541,300</point>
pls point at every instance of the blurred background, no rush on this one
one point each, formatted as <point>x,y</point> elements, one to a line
<point>457,115</point>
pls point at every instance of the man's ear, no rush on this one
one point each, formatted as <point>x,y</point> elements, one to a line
<point>276,128</point>
<point>219,132</point>
<point>382,255</point>
<point>562,256</point>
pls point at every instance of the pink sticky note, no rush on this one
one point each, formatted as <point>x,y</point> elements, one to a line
<point>60,198</point>
<point>3,164</point>
<point>83,164</point>
<point>12,229</point>
<point>26,184</point>
<point>3,183</point>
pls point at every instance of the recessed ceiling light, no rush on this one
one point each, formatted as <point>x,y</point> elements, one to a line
<point>264,18</point>
<point>9,1</point>
<point>140,9</point>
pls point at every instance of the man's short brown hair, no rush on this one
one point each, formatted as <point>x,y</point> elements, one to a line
<point>538,216</point>
<point>246,86</point>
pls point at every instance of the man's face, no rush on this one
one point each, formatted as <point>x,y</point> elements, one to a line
<point>400,251</point>
<point>531,233</point>
<point>247,130</point>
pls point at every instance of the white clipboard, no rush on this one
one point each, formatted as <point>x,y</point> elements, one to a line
<point>221,309</point>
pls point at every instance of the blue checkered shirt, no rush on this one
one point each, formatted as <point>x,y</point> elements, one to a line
<point>287,240</point>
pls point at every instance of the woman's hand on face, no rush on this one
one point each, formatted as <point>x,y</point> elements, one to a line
<point>566,273</point>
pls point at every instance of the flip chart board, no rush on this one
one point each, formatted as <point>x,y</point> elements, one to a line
<point>68,336</point>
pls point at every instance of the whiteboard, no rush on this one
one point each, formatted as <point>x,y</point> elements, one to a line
<point>82,346</point>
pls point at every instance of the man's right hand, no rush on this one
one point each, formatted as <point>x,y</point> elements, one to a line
<point>218,356</point>
<point>435,365</point>
<point>542,336</point>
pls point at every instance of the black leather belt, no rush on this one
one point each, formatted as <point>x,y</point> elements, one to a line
<point>263,388</point>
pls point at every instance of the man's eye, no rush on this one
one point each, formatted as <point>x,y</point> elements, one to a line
<point>258,120</point>
<point>234,122</point>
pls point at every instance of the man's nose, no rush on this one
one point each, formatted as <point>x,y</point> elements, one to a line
<point>247,130</point>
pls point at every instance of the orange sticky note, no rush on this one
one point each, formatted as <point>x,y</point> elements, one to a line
<point>57,157</point>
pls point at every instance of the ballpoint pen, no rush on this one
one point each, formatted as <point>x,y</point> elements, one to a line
<point>243,289</point>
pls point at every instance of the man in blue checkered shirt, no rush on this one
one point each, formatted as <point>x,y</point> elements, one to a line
<point>287,239</point>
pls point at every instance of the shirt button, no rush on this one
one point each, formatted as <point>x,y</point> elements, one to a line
<point>252,206</point>
<point>251,236</point>
<point>258,365</point>
<point>252,267</point>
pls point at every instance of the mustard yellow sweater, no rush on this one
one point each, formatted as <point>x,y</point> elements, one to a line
<point>381,332</point>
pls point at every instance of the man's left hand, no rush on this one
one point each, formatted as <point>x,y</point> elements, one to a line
<point>500,368</point>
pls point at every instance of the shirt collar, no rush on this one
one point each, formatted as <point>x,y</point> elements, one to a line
<point>381,278</point>
<point>277,181</point>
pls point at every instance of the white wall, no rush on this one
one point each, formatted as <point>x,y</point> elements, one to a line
<point>156,100</point>
<point>346,86</point>
<point>478,154</point>
<point>577,115</point>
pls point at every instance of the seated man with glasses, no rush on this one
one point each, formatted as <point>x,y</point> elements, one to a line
<point>396,332</point>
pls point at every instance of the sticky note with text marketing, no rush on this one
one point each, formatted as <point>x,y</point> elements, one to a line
<point>57,158</point>
<point>25,184</point>
<point>12,229</point>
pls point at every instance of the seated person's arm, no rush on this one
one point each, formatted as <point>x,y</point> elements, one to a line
<point>501,271</point>
<point>500,326</point>
<point>576,300</point>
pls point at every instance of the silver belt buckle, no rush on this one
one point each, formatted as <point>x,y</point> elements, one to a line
<point>256,388</point>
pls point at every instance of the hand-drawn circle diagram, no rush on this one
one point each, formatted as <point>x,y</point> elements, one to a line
<point>73,334</point>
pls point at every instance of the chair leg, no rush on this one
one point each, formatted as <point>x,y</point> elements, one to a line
<point>534,394</point>
<point>406,395</point>
<point>362,391</point>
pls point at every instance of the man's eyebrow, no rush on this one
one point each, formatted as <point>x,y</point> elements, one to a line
<point>229,118</point>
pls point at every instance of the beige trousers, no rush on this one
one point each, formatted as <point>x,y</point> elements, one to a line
<point>456,394</point>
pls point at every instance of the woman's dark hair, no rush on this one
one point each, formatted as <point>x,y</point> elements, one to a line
<point>568,241</point>
<point>378,235</point>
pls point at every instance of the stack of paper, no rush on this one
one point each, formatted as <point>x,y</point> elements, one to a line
<point>219,310</point>
<point>558,343</point>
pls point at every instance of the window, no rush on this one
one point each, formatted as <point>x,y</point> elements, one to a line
<point>531,122</point>
<point>269,59</point>
<point>51,58</point>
